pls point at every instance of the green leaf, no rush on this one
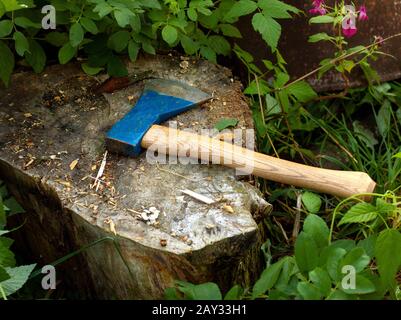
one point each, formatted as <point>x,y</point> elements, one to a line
<point>18,277</point>
<point>311,201</point>
<point>208,53</point>
<point>370,73</point>
<point>36,57</point>
<point>119,40</point>
<point>277,9</point>
<point>362,286</point>
<point>169,34</point>
<point>356,258</point>
<point>302,91</point>
<point>384,208</point>
<point>348,65</point>
<point>57,39</point>
<point>240,8</point>
<point>219,45</point>
<point>6,63</point>
<point>66,53</point>
<point>116,68</point>
<point>226,123</point>
<point>103,9</point>
<point>90,70</point>
<point>192,15</point>
<point>317,229</point>
<point>334,256</point>
<point>76,34</point>
<point>171,294</point>
<point>2,9</point>
<point>21,43</point>
<point>89,25</point>
<point>272,105</point>
<point>133,49</point>
<point>13,206</point>
<point>306,252</point>
<point>3,219</point>
<point>24,22</point>
<point>368,245</point>
<point>230,31</point>
<point>7,258</point>
<point>308,291</point>
<point>269,28</point>
<point>364,134</point>
<point>3,275</point>
<point>135,23</point>
<point>123,17</point>
<point>322,19</point>
<point>397,156</point>
<point>281,79</point>
<point>321,279</point>
<point>340,295</point>
<point>360,213</point>
<point>207,291</point>
<point>154,4</point>
<point>323,36</point>
<point>253,88</point>
<point>235,293</point>
<point>189,45</point>
<point>6,26</point>
<point>13,5</point>
<point>268,279</point>
<point>242,54</point>
<point>147,47</point>
<point>384,118</point>
<point>388,255</point>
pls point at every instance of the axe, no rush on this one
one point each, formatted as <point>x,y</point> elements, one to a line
<point>163,99</point>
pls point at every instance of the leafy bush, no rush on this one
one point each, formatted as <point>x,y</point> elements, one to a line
<point>12,278</point>
<point>344,269</point>
<point>102,30</point>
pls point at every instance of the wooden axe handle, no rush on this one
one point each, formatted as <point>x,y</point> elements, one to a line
<point>338,183</point>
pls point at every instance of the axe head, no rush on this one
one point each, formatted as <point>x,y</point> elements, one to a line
<point>161,100</point>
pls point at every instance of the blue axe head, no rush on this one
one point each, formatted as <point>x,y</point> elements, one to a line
<point>161,100</point>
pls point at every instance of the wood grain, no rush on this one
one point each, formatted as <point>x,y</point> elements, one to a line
<point>182,143</point>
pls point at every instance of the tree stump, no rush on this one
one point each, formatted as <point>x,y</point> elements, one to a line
<point>52,129</point>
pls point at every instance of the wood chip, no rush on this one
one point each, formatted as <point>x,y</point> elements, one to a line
<point>111,224</point>
<point>28,163</point>
<point>64,183</point>
<point>100,172</point>
<point>228,208</point>
<point>198,196</point>
<point>73,164</point>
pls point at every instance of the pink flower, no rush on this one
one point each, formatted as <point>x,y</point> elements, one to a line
<point>350,32</point>
<point>318,7</point>
<point>349,28</point>
<point>362,13</point>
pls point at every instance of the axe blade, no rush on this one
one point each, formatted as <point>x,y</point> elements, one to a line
<point>161,100</point>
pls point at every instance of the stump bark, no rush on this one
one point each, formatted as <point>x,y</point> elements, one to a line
<point>52,129</point>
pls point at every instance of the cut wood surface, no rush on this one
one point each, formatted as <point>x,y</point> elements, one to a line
<point>52,130</point>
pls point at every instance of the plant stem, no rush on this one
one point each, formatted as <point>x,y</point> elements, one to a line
<point>338,59</point>
<point>3,294</point>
